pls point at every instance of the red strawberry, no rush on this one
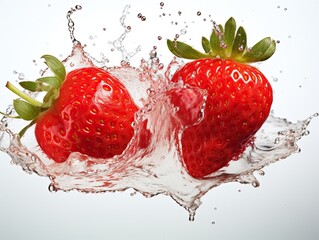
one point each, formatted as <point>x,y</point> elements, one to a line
<point>88,111</point>
<point>239,97</point>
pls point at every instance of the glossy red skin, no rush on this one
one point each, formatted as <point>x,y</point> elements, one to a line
<point>92,115</point>
<point>238,103</point>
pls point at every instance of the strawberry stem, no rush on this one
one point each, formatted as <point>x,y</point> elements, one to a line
<point>226,43</point>
<point>28,108</point>
<point>24,96</point>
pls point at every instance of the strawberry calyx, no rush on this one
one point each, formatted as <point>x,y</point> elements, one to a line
<point>27,107</point>
<point>226,42</point>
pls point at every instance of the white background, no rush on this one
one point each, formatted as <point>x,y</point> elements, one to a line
<point>285,206</point>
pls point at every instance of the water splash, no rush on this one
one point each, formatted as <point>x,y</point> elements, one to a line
<point>156,166</point>
<point>118,43</point>
<point>71,22</point>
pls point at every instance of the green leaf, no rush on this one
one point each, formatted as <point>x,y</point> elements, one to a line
<point>51,95</point>
<point>229,35</point>
<point>22,132</point>
<point>206,45</point>
<point>25,110</point>
<point>183,50</point>
<point>56,66</point>
<point>215,43</point>
<point>261,51</point>
<point>240,43</point>
<point>53,81</point>
<point>30,86</point>
<point>33,86</point>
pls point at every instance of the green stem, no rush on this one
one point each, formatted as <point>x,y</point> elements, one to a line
<point>24,96</point>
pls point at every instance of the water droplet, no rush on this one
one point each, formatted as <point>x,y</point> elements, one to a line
<point>179,13</point>
<point>241,48</point>
<point>285,9</point>
<point>78,7</point>
<point>125,63</point>
<point>199,13</point>
<point>143,18</point>
<point>278,41</point>
<point>159,37</point>
<point>160,66</point>
<point>223,45</point>
<point>162,4</point>
<point>183,31</point>
<point>140,15</point>
<point>255,184</point>
<point>261,172</point>
<point>153,54</point>
<point>150,91</point>
<point>191,216</point>
<point>52,188</point>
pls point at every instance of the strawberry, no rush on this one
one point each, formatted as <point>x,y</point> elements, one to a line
<point>239,97</point>
<point>87,111</point>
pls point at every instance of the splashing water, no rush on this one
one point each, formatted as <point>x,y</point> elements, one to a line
<point>158,167</point>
